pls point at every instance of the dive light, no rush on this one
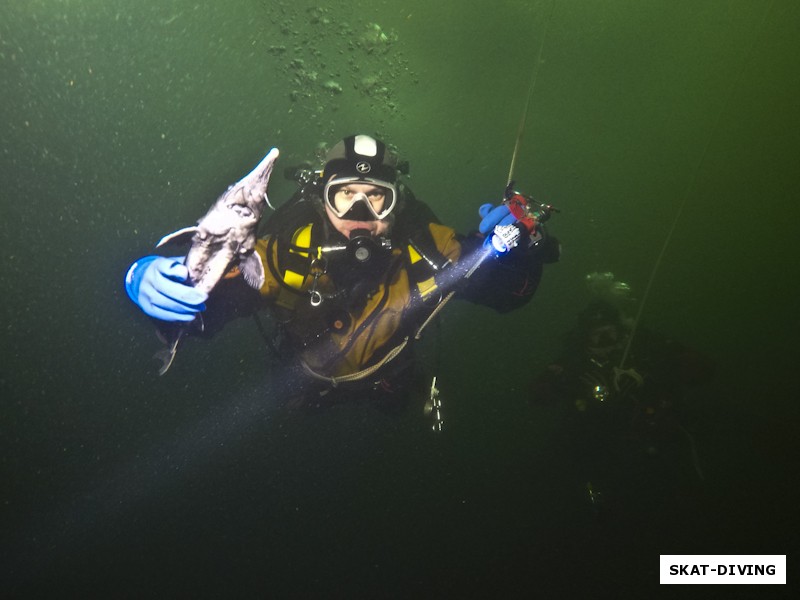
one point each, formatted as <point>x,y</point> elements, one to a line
<point>527,225</point>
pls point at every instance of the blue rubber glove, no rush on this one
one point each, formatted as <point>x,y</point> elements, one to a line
<point>492,216</point>
<point>156,285</point>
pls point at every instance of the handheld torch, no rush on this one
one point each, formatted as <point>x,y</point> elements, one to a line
<point>527,227</point>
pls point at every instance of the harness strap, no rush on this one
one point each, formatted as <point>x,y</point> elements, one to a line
<point>421,273</point>
<point>300,239</point>
<point>334,381</point>
<point>423,259</point>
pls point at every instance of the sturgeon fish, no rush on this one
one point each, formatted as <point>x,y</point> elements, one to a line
<point>225,236</point>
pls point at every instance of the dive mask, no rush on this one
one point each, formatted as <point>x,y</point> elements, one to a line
<point>351,204</point>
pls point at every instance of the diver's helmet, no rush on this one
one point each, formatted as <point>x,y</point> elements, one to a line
<point>360,159</point>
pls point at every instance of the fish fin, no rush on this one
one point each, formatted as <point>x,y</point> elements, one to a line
<point>167,355</point>
<point>177,234</point>
<point>253,271</point>
<point>199,322</point>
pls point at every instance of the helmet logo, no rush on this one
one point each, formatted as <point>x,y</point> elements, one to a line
<point>363,167</point>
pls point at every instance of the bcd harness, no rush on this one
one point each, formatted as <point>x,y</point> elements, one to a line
<point>304,258</point>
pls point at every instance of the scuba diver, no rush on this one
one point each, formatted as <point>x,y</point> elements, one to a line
<point>623,424</point>
<point>353,268</point>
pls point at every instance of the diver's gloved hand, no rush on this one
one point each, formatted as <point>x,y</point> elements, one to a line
<point>157,285</point>
<point>492,216</point>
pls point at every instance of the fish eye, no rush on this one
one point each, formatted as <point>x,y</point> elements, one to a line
<point>243,211</point>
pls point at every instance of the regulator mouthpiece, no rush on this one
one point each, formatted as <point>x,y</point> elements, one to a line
<point>362,246</point>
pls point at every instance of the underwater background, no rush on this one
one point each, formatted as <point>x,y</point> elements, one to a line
<point>121,122</point>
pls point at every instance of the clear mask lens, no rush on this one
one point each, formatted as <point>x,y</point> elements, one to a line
<point>341,199</point>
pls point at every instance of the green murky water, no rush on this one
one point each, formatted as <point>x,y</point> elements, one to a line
<point>120,122</point>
